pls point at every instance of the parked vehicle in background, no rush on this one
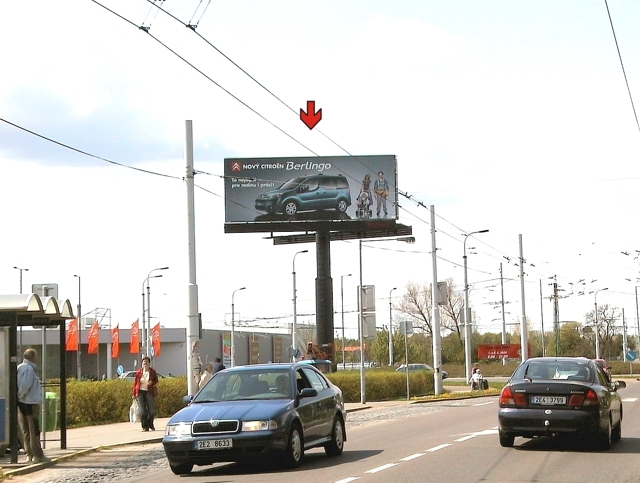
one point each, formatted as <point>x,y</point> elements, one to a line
<point>420,367</point>
<point>560,396</point>
<point>257,411</point>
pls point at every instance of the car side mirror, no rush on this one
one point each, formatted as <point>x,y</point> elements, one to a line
<point>187,399</point>
<point>304,188</point>
<point>308,392</point>
<point>619,384</point>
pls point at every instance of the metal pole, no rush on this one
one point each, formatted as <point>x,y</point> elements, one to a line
<point>26,270</point>
<point>595,303</point>
<point>504,323</point>
<point>637,321</point>
<point>295,314</point>
<point>363,389</point>
<point>390,330</point>
<point>544,350</point>
<point>467,310</point>
<point>524,336</point>
<point>406,357</point>
<point>146,327</point>
<point>342,310</point>
<point>233,326</point>
<point>437,344</point>
<point>79,351</point>
<point>193,324</point>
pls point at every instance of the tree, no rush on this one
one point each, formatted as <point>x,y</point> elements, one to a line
<point>607,332</point>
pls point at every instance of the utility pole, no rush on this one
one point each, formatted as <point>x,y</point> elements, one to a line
<point>544,350</point>
<point>556,317</point>
<point>504,323</point>
<point>437,343</point>
<point>524,336</point>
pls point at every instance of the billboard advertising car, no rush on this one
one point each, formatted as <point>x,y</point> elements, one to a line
<point>276,191</point>
<point>273,191</point>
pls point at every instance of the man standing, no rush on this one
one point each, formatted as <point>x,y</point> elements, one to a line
<point>381,189</point>
<point>217,365</point>
<point>29,394</point>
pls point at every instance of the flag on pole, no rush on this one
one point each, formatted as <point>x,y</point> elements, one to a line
<point>115,342</point>
<point>72,336</point>
<point>134,346</point>
<point>155,339</point>
<point>93,339</point>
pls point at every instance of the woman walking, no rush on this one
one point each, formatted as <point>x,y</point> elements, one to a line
<point>144,389</point>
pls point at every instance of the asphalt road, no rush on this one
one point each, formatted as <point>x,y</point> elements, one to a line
<point>450,441</point>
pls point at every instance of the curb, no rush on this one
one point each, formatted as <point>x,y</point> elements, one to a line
<point>25,470</point>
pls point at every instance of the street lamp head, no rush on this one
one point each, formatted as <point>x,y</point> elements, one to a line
<point>242,288</point>
<point>304,251</point>
<point>483,231</point>
<point>164,268</point>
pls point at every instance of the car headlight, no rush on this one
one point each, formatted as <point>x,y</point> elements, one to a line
<point>259,425</point>
<point>180,429</point>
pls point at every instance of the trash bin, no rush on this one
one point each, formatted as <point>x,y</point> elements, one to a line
<point>52,409</point>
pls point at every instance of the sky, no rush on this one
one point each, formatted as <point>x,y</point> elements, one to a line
<point>507,116</point>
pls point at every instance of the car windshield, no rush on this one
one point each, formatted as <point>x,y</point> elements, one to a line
<point>237,385</point>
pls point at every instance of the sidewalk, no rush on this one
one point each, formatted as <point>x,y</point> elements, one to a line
<point>92,438</point>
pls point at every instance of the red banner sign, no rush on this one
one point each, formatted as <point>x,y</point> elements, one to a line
<point>500,351</point>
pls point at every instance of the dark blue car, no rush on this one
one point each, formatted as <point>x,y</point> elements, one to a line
<point>257,411</point>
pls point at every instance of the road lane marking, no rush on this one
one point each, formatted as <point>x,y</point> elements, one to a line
<point>412,457</point>
<point>436,448</point>
<point>347,480</point>
<point>383,467</point>
<point>460,440</point>
<point>483,403</point>
<point>629,399</point>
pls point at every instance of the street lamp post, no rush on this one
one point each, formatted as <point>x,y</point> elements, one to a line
<point>147,326</point>
<point>361,293</point>
<point>295,315</point>
<point>233,326</point>
<point>342,312</point>
<point>595,314</point>
<point>467,314</point>
<point>79,351</point>
<point>390,330</point>
<point>21,270</point>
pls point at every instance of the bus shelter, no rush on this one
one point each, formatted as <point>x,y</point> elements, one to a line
<point>25,310</point>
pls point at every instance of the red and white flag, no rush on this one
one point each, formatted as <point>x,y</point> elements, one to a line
<point>115,342</point>
<point>93,339</point>
<point>134,346</point>
<point>72,336</point>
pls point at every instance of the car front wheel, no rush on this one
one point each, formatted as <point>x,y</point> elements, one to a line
<point>336,445</point>
<point>183,469</point>
<point>290,208</point>
<point>342,206</point>
<point>295,450</point>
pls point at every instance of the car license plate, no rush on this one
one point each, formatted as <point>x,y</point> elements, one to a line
<point>214,443</point>
<point>548,400</point>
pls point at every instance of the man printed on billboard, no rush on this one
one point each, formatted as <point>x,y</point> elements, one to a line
<point>381,189</point>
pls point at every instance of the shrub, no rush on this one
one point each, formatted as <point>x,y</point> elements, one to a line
<point>382,385</point>
<point>104,402</point>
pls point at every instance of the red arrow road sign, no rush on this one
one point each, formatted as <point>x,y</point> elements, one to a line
<point>311,118</point>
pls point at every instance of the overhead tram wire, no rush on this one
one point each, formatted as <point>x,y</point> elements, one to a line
<point>622,65</point>
<point>146,30</point>
<point>201,15</point>
<point>192,27</point>
<point>85,153</point>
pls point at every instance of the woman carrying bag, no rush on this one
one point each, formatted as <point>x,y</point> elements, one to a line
<point>144,389</point>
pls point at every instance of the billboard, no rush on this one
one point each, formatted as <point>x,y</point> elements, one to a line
<point>308,191</point>
<point>500,351</point>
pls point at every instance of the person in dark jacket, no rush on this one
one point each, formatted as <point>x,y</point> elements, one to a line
<point>144,389</point>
